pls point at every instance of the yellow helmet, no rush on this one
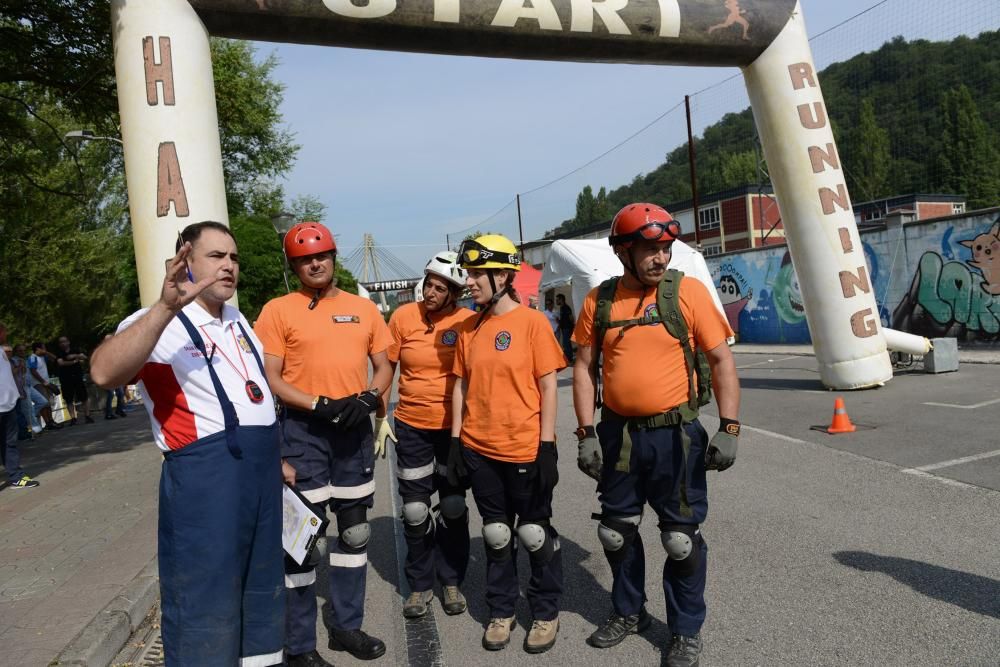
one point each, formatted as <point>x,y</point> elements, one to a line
<point>489,251</point>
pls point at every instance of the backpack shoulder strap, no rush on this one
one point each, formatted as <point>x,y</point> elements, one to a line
<point>668,303</point>
<point>602,319</point>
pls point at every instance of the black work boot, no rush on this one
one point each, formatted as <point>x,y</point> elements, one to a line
<point>358,643</point>
<point>684,651</point>
<point>617,627</point>
<point>310,659</point>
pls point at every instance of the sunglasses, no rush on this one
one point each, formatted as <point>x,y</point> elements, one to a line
<point>474,254</point>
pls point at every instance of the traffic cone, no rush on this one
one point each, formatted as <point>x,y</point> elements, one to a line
<point>841,422</point>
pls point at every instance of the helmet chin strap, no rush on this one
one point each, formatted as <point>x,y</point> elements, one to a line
<point>493,299</point>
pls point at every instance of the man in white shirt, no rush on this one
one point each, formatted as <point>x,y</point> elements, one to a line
<point>38,380</point>
<point>201,376</point>
<point>8,422</point>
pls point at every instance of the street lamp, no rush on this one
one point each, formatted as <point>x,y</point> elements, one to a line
<point>88,135</point>
<point>282,222</point>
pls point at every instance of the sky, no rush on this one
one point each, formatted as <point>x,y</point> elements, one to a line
<point>416,148</point>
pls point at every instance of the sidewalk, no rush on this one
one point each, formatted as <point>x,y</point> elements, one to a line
<point>966,355</point>
<point>74,545</point>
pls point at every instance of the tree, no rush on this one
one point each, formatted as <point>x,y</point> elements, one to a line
<point>969,158</point>
<point>866,158</point>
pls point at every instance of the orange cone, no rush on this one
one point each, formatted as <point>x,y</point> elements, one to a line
<point>841,422</point>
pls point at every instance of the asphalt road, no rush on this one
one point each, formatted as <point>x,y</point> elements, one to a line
<point>877,547</point>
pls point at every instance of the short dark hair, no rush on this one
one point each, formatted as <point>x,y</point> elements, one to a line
<point>192,232</point>
<point>36,346</point>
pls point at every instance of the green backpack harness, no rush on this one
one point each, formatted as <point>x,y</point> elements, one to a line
<point>668,312</point>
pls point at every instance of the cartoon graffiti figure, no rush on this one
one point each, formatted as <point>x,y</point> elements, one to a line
<point>787,295</point>
<point>732,300</point>
<point>735,17</point>
<point>986,257</point>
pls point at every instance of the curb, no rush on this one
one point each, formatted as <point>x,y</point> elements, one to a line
<point>101,640</point>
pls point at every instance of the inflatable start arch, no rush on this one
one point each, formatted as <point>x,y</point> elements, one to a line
<point>173,159</point>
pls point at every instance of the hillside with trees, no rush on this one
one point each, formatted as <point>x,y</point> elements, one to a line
<point>911,117</point>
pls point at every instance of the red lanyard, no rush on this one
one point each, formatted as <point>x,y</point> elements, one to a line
<point>215,348</point>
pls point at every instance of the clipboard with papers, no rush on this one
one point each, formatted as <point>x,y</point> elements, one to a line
<point>302,524</point>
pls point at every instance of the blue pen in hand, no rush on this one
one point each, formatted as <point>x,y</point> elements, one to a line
<point>180,244</point>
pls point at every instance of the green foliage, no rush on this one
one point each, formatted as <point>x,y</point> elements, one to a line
<point>902,123</point>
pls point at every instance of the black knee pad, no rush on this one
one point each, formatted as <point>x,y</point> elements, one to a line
<point>497,538</point>
<point>683,545</point>
<point>453,511</point>
<point>617,535</point>
<point>537,538</point>
<point>352,523</point>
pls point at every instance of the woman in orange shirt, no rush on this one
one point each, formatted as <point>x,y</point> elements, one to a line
<point>503,439</point>
<point>423,345</point>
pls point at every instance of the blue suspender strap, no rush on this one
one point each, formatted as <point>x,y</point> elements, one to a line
<point>228,411</point>
<point>256,355</point>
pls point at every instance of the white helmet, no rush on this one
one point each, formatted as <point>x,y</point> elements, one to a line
<point>445,265</point>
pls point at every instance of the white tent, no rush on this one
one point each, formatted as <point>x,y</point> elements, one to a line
<point>579,266</point>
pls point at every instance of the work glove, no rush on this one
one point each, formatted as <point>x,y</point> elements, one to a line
<point>457,474</point>
<point>547,461</point>
<point>382,431</point>
<point>722,447</point>
<point>328,409</point>
<point>357,409</point>
<point>589,458</point>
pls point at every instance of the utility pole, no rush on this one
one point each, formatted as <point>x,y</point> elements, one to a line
<point>694,175</point>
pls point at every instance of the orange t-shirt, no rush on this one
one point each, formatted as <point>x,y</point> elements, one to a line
<point>501,363</point>
<point>325,349</point>
<point>425,361</point>
<point>644,370</point>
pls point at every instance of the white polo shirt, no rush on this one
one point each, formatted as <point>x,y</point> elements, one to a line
<point>8,388</point>
<point>177,388</point>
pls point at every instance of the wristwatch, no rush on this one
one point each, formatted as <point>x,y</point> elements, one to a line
<point>584,431</point>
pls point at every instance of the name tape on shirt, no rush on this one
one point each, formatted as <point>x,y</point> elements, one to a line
<point>346,319</point>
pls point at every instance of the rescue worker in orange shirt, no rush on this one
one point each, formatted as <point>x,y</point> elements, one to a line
<point>503,440</point>
<point>644,449</point>
<point>318,342</point>
<point>424,336</point>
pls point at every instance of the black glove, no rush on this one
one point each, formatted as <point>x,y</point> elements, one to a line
<point>328,409</point>
<point>590,457</point>
<point>547,461</point>
<point>722,447</point>
<point>357,409</point>
<point>457,474</point>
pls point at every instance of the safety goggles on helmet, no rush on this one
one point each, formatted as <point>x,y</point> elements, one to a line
<point>472,254</point>
<point>653,231</point>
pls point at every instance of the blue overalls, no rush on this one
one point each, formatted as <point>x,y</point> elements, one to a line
<point>220,552</point>
<point>334,468</point>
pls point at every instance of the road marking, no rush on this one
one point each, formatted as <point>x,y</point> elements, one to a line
<point>769,361</point>
<point>423,643</point>
<point>910,471</point>
<point>956,462</point>
<point>965,407</point>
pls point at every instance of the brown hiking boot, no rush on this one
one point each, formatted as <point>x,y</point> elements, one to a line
<point>542,636</point>
<point>452,600</point>
<point>416,605</point>
<point>497,634</point>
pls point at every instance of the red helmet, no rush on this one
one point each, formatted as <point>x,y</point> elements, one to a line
<point>643,221</point>
<point>308,238</point>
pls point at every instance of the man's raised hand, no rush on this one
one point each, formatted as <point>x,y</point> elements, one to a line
<point>178,291</point>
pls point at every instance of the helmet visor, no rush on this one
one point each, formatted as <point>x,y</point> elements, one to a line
<point>472,254</point>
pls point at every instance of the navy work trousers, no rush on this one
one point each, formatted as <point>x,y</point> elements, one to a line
<point>656,475</point>
<point>334,468</point>
<point>421,458</point>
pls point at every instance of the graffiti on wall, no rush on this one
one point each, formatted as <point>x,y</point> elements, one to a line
<point>955,297</point>
<point>761,298</point>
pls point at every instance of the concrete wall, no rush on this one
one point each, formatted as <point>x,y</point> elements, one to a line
<point>932,278</point>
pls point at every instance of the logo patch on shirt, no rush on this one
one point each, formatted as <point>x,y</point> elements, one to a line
<point>244,343</point>
<point>650,312</point>
<point>502,341</point>
<point>449,337</point>
<point>346,319</point>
